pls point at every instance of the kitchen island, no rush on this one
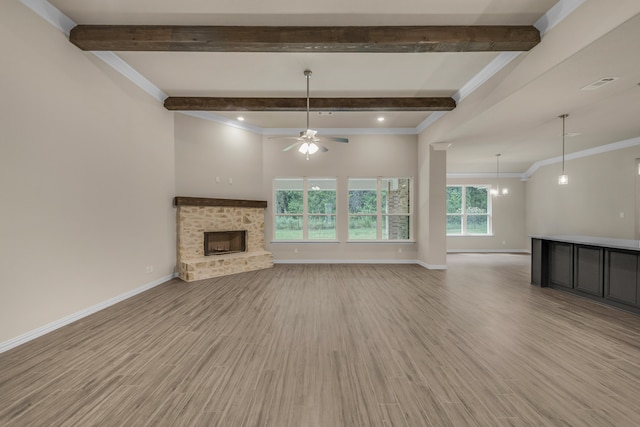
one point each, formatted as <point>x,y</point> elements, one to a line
<point>607,270</point>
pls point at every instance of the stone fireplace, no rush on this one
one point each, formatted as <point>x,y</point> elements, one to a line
<point>217,237</point>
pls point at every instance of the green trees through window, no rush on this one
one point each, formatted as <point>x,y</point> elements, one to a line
<point>305,209</point>
<point>378,209</point>
<point>468,210</point>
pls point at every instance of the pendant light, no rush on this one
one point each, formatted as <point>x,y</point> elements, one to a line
<point>496,192</point>
<point>564,178</point>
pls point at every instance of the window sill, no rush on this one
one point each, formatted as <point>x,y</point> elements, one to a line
<point>469,235</point>
<point>304,241</point>
<point>410,242</point>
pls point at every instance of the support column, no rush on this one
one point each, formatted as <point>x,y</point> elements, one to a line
<point>432,200</point>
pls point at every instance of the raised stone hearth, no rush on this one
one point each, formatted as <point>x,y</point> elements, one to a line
<point>199,215</point>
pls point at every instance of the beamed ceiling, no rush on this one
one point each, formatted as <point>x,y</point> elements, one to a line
<point>486,76</point>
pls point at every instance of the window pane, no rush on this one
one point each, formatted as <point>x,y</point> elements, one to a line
<point>477,224</point>
<point>362,195</point>
<point>454,224</point>
<point>288,195</point>
<point>477,200</point>
<point>454,200</point>
<point>395,227</point>
<point>322,196</point>
<point>362,227</point>
<point>395,195</point>
<point>288,227</point>
<point>322,227</point>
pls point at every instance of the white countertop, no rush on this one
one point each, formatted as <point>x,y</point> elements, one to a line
<point>607,242</point>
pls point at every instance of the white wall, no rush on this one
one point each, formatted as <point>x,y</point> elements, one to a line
<point>600,188</point>
<point>363,156</point>
<point>508,219</point>
<point>206,150</point>
<point>86,179</point>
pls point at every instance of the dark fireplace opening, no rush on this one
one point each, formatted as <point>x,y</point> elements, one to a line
<point>224,242</point>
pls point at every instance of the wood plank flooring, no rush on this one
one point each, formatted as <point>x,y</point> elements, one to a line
<point>336,345</point>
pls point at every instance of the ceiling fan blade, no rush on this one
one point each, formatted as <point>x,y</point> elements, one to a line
<point>291,146</point>
<point>333,139</point>
<point>323,148</point>
<point>284,137</point>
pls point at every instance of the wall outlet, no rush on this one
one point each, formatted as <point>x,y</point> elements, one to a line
<point>399,250</point>
<point>621,214</point>
<point>295,250</point>
<point>230,181</point>
<point>149,269</point>
<point>217,179</point>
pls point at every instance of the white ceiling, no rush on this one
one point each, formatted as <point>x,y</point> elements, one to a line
<point>514,113</point>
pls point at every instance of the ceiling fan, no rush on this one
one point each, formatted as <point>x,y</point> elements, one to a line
<point>308,141</point>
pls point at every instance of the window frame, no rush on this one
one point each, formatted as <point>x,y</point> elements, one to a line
<point>305,214</point>
<point>464,214</point>
<point>379,214</point>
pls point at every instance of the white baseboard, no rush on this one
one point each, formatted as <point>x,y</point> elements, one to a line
<point>360,261</point>
<point>489,251</point>
<point>432,266</point>
<point>50,327</point>
<point>344,261</point>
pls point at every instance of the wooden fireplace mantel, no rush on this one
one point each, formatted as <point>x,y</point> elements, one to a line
<point>204,201</point>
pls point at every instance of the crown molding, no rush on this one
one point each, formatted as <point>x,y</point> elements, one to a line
<point>51,14</point>
<point>342,131</point>
<point>205,115</point>
<point>556,14</point>
<point>497,64</point>
<point>483,175</point>
<point>620,145</point>
<point>130,73</point>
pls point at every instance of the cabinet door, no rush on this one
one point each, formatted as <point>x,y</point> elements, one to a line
<point>621,276</point>
<point>587,275</point>
<point>561,264</point>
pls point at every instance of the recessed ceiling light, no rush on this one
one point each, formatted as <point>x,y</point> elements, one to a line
<point>599,83</point>
<point>381,119</point>
<point>240,118</point>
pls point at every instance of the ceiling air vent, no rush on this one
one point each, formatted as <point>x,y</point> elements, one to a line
<point>599,83</point>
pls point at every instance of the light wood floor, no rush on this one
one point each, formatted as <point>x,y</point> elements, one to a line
<point>334,345</point>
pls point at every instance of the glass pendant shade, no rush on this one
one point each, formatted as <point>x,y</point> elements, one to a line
<point>304,148</point>
<point>563,179</point>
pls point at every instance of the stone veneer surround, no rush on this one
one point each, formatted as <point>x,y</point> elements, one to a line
<point>197,215</point>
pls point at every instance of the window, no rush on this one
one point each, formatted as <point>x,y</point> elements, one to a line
<point>380,209</point>
<point>305,209</point>
<point>468,210</point>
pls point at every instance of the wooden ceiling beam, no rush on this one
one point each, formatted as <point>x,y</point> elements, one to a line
<point>315,104</point>
<point>400,39</point>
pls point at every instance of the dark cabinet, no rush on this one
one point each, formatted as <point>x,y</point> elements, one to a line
<point>561,264</point>
<point>587,274</point>
<point>605,270</point>
<point>621,276</point>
